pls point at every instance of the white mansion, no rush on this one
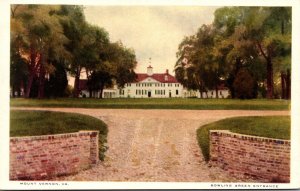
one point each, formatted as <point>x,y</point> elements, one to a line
<point>150,85</point>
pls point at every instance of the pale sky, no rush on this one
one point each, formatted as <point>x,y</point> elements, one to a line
<point>152,31</point>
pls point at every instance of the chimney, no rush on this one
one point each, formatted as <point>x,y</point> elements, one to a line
<point>149,70</point>
<point>167,71</point>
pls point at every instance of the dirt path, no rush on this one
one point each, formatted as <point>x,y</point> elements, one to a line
<point>155,145</point>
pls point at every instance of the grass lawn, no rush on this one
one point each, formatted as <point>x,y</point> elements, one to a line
<point>33,123</point>
<point>278,127</point>
<point>155,103</point>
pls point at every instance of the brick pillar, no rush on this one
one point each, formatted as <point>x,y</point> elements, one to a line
<point>213,145</point>
<point>94,147</point>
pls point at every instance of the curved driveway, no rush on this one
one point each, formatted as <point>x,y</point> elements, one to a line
<point>155,145</point>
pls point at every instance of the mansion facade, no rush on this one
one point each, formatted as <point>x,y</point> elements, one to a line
<point>149,85</point>
<point>152,85</point>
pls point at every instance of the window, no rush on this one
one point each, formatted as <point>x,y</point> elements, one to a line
<point>176,92</point>
<point>136,92</point>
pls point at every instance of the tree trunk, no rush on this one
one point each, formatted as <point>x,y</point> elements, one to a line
<point>29,84</point>
<point>32,68</point>
<point>76,83</point>
<point>41,87</point>
<point>42,74</point>
<point>217,92</point>
<point>19,92</point>
<point>90,93</point>
<point>101,87</point>
<point>201,93</point>
<point>270,87</point>
<point>288,84</point>
<point>101,91</point>
<point>270,82</point>
<point>283,83</point>
<point>13,91</point>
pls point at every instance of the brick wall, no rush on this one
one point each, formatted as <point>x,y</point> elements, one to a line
<point>43,157</point>
<point>264,159</point>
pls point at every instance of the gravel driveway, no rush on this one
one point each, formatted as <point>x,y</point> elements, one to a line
<point>155,145</point>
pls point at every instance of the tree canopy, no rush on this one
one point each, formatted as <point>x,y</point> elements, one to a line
<point>240,41</point>
<point>49,41</point>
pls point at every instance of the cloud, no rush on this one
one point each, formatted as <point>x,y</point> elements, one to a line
<point>152,31</point>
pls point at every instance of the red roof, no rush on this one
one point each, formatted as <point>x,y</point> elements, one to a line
<point>159,77</point>
<point>140,77</point>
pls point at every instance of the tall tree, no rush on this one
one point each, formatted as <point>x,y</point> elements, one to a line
<point>253,33</point>
<point>197,59</point>
<point>96,43</point>
<point>35,30</point>
<point>76,30</point>
<point>18,71</point>
<point>261,23</point>
<point>280,24</point>
<point>57,82</point>
<point>184,72</point>
<point>118,64</point>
